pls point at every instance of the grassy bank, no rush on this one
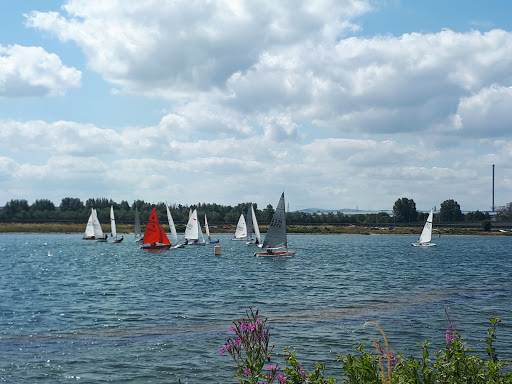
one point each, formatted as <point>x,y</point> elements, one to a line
<point>293,229</point>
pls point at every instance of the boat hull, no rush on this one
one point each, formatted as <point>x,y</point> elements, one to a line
<point>156,246</point>
<point>275,254</point>
<point>423,244</point>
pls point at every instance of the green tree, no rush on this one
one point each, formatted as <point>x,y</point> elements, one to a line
<point>71,204</point>
<point>43,205</point>
<point>405,211</point>
<point>450,211</point>
<point>16,206</point>
<point>268,213</point>
<point>487,225</point>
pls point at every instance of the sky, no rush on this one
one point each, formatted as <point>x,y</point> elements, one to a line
<point>338,103</point>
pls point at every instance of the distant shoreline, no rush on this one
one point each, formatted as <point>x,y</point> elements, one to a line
<point>292,229</point>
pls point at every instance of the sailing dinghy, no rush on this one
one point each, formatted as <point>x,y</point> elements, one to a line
<point>193,231</point>
<point>113,229</point>
<point>426,235</point>
<point>241,229</point>
<point>154,235</point>
<point>99,235</point>
<point>89,228</point>
<point>138,233</point>
<point>257,241</point>
<point>207,230</point>
<point>276,243</point>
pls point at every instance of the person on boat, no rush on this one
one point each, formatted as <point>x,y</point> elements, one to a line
<point>186,242</point>
<point>106,236</point>
<point>270,251</point>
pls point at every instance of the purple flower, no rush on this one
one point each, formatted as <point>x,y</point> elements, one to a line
<point>246,371</point>
<point>270,367</point>
<point>231,329</point>
<point>222,351</point>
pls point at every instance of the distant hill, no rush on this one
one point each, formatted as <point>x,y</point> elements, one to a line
<point>346,211</point>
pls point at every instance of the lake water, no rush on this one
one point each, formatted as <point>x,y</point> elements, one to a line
<point>75,310</point>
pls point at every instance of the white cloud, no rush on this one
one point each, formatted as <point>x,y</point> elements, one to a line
<point>278,95</point>
<point>33,72</point>
<point>168,48</point>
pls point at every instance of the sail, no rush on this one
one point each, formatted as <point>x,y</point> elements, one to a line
<point>163,236</point>
<point>192,230</point>
<point>172,227</point>
<point>241,228</point>
<point>426,234</point>
<point>255,225</point>
<point>137,224</point>
<point>152,232</point>
<point>276,234</point>
<point>200,232</point>
<point>206,228</point>
<point>113,228</point>
<point>98,232</point>
<point>89,229</point>
<point>249,223</point>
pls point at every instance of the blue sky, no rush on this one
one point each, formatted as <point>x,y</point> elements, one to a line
<point>341,104</point>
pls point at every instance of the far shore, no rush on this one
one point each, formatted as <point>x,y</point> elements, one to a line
<point>323,229</point>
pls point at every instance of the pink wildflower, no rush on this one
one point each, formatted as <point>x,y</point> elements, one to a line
<point>222,351</point>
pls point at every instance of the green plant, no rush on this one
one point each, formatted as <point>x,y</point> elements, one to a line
<point>455,364</point>
<point>250,350</point>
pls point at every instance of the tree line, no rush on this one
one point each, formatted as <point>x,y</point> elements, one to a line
<point>73,210</point>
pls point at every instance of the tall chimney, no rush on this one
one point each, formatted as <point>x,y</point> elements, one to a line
<point>493,187</point>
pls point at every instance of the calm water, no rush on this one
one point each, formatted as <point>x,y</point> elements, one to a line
<point>74,310</point>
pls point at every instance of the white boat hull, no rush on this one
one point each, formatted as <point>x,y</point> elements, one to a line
<point>423,244</point>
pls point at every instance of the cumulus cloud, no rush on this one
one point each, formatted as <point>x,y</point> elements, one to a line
<point>172,47</point>
<point>281,95</point>
<point>33,72</point>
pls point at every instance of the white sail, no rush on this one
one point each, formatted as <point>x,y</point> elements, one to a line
<point>138,235</point>
<point>241,228</point>
<point>426,234</point>
<point>89,229</point>
<point>174,234</point>
<point>200,232</point>
<point>192,230</point>
<point>113,228</point>
<point>206,228</point>
<point>255,225</point>
<point>276,234</point>
<point>98,232</point>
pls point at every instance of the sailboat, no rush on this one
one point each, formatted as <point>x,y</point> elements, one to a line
<point>193,231</point>
<point>256,229</point>
<point>138,233</point>
<point>426,235</point>
<point>154,235</point>
<point>98,231</point>
<point>172,227</point>
<point>276,243</point>
<point>113,229</point>
<point>207,230</point>
<point>241,229</point>
<point>89,228</point>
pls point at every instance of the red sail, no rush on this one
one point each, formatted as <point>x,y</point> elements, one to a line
<point>163,237</point>
<point>152,232</point>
